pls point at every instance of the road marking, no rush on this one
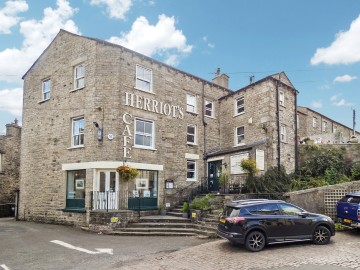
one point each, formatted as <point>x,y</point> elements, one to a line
<point>99,250</point>
<point>4,267</point>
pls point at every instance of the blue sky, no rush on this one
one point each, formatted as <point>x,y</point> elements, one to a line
<point>317,43</point>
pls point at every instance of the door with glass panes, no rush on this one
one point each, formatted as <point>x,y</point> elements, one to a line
<point>106,194</point>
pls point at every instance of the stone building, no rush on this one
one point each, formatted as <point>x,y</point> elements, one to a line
<point>10,163</point>
<point>321,128</point>
<point>91,106</point>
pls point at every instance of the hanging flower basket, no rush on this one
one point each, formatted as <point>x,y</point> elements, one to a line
<point>127,173</point>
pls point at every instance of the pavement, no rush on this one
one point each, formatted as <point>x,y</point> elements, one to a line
<point>340,254</point>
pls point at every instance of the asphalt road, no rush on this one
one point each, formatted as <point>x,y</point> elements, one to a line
<point>28,246</point>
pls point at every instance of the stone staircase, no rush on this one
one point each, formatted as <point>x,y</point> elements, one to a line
<point>172,224</point>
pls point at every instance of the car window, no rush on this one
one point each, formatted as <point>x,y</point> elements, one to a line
<point>355,200</point>
<point>345,199</point>
<point>290,210</point>
<point>252,209</point>
<point>268,209</point>
<point>235,212</point>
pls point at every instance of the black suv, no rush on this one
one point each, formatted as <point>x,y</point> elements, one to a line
<point>256,223</point>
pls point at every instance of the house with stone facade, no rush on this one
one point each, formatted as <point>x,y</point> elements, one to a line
<point>10,163</point>
<point>91,106</point>
<point>322,129</point>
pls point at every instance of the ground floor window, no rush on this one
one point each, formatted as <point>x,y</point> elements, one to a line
<point>191,170</point>
<point>75,190</point>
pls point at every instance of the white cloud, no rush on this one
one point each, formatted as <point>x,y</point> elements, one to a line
<point>116,8</point>
<point>162,39</point>
<point>316,104</point>
<point>8,15</point>
<point>210,45</point>
<point>336,101</point>
<point>345,78</point>
<point>345,49</point>
<point>11,101</point>
<point>37,36</point>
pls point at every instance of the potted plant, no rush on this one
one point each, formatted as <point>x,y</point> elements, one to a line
<point>127,173</point>
<point>224,180</point>
<point>185,210</point>
<point>162,209</point>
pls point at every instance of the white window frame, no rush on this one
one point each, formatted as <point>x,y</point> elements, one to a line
<point>1,161</point>
<point>240,107</point>
<point>325,125</point>
<point>283,133</point>
<point>314,122</point>
<point>144,81</point>
<point>334,129</point>
<point>77,132</point>
<point>190,103</point>
<point>241,135</point>
<point>190,170</point>
<point>281,98</point>
<point>79,76</point>
<point>191,134</point>
<point>145,134</point>
<point>46,89</point>
<point>207,109</point>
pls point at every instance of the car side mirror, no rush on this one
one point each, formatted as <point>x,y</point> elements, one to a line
<point>304,214</point>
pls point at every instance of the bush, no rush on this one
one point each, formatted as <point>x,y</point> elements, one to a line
<point>355,171</point>
<point>206,202</point>
<point>185,207</point>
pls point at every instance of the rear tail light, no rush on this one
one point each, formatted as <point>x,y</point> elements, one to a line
<point>235,219</point>
<point>358,214</point>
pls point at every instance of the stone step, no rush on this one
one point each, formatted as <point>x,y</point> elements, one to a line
<point>151,233</point>
<point>175,214</point>
<point>165,219</point>
<point>162,225</point>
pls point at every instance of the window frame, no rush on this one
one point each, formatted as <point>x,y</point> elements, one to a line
<point>283,133</point>
<point>75,204</point>
<point>207,102</point>
<point>189,103</point>
<point>334,129</point>
<point>192,161</point>
<point>139,78</point>
<point>237,136</point>
<point>1,162</point>
<point>281,98</point>
<point>152,135</point>
<point>241,107</point>
<point>190,134</point>
<point>80,134</point>
<point>314,122</point>
<point>325,126</point>
<point>45,93</point>
<point>79,78</point>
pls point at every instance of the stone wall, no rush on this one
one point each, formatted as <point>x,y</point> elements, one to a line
<point>322,199</point>
<point>10,163</point>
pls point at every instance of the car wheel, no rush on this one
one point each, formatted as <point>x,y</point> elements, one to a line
<point>321,235</point>
<point>255,241</point>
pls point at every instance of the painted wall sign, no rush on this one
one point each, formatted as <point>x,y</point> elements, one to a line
<point>152,105</point>
<point>127,135</point>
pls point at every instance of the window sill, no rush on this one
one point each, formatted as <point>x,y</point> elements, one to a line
<point>193,113</point>
<point>239,114</point>
<point>211,117</point>
<point>77,89</point>
<point>75,147</point>
<point>191,144</point>
<point>74,210</point>
<point>44,100</point>
<point>190,180</point>
<point>149,92</point>
<point>143,147</point>
<point>240,144</point>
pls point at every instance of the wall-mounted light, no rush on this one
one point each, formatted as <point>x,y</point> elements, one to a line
<point>99,131</point>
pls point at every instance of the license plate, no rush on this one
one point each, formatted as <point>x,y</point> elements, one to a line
<point>222,220</point>
<point>347,220</point>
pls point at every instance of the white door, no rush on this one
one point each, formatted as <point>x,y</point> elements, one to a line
<point>106,190</point>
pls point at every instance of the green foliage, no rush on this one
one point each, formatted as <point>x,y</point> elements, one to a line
<point>273,181</point>
<point>224,177</point>
<point>355,171</point>
<point>249,166</point>
<point>185,207</point>
<point>206,202</point>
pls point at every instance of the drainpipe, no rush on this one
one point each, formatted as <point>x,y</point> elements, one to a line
<point>204,126</point>
<point>278,123</point>
<point>296,135</point>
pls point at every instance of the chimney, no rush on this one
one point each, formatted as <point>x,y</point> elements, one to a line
<point>222,80</point>
<point>251,79</point>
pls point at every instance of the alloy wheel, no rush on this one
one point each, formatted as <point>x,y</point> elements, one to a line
<point>255,241</point>
<point>321,235</point>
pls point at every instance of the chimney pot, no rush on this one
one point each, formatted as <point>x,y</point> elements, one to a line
<point>218,72</point>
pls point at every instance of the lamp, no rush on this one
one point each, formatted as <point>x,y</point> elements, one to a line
<point>99,131</point>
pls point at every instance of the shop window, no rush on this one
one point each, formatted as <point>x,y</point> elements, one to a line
<point>144,133</point>
<point>191,170</point>
<point>191,103</point>
<point>77,132</point>
<point>191,134</point>
<point>143,78</point>
<point>75,190</point>
<point>46,89</point>
<point>79,76</point>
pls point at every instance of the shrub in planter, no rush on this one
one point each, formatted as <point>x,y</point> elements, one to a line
<point>185,210</point>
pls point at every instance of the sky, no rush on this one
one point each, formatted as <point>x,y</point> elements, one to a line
<point>316,43</point>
